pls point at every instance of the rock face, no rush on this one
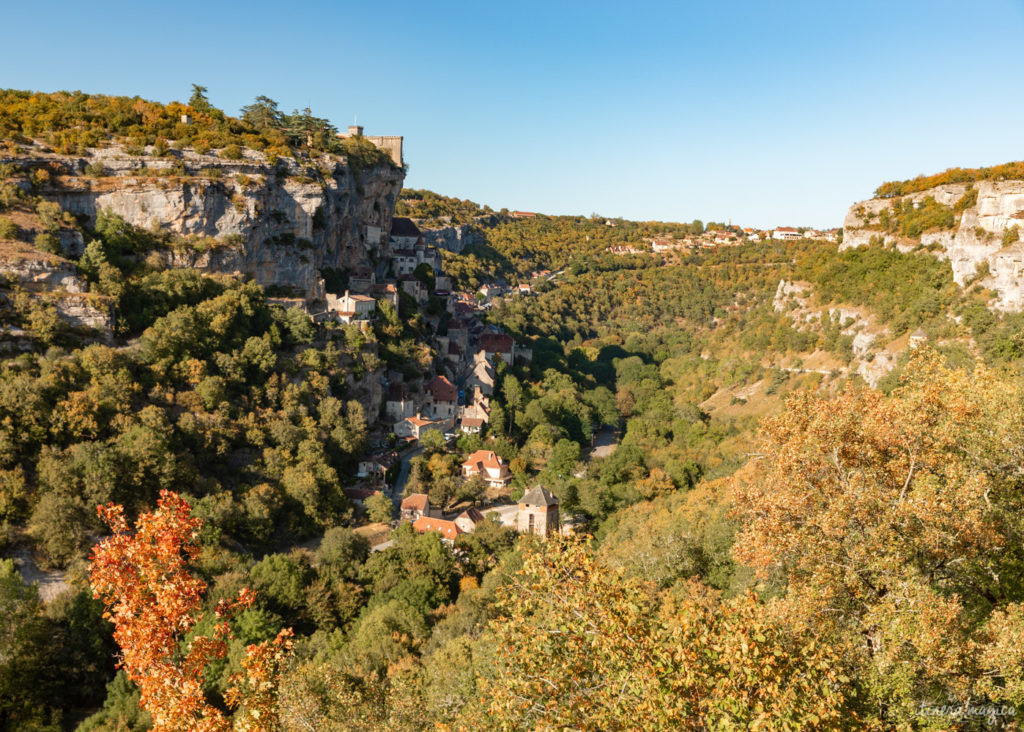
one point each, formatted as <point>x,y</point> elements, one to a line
<point>57,281</point>
<point>278,223</point>
<point>972,245</point>
<point>457,238</point>
<point>39,271</point>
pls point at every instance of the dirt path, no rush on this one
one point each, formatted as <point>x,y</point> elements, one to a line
<point>50,584</point>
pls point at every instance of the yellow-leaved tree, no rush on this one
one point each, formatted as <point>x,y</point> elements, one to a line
<point>582,646</point>
<point>894,524</point>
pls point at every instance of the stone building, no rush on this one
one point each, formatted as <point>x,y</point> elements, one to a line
<point>538,513</point>
<point>414,506</point>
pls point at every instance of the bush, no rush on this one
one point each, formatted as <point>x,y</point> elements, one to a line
<point>1010,236</point>
<point>231,152</point>
<point>9,229</point>
<point>95,169</point>
<point>45,242</point>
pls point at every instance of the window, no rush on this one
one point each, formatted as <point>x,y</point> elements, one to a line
<point>531,523</point>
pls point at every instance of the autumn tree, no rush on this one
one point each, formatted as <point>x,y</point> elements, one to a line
<point>153,602</point>
<point>894,524</point>
<point>576,641</point>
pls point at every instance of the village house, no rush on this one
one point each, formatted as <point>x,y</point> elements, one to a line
<point>471,425</point>
<point>489,291</point>
<point>523,214</point>
<point>386,292</point>
<point>468,519</point>
<point>361,279</point>
<point>498,344</point>
<point>357,496</point>
<point>538,513</point>
<point>488,465</point>
<point>442,284</point>
<point>414,287</point>
<point>398,404</point>
<point>414,506</point>
<point>404,233</point>
<point>448,530</point>
<point>482,375</point>
<point>375,466</point>
<point>917,338</point>
<point>452,352</point>
<point>415,427</point>
<point>403,262</point>
<point>458,332</point>
<point>786,233</point>
<point>443,398</point>
<point>348,308</point>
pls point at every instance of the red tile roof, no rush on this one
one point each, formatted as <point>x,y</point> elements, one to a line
<point>359,494</point>
<point>484,459</point>
<point>397,393</point>
<point>416,502</point>
<point>496,342</point>
<point>442,390</point>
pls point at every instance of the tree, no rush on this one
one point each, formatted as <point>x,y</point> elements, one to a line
<point>263,114</point>
<point>198,100</point>
<point>892,522</point>
<point>380,508</point>
<point>153,602</point>
<point>576,641</point>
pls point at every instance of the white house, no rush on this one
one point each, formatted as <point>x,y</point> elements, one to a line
<point>786,233</point>
<point>351,307</point>
<point>489,466</point>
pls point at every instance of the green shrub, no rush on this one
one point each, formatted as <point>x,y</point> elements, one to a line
<point>967,200</point>
<point>46,242</point>
<point>95,169</point>
<point>1010,236</point>
<point>9,229</point>
<point>232,152</point>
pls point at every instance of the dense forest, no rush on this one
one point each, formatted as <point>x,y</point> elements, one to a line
<point>771,543</point>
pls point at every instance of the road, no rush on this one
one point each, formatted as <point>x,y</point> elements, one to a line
<point>604,443</point>
<point>403,475</point>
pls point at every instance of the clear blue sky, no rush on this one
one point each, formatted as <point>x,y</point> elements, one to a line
<point>764,113</point>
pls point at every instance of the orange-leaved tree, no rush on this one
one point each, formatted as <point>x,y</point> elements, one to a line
<point>154,601</point>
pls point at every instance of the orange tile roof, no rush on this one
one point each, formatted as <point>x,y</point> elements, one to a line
<point>416,502</point>
<point>484,459</point>
<point>446,529</point>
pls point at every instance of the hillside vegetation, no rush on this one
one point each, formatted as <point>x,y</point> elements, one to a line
<point>1006,171</point>
<point>767,543</point>
<point>71,122</point>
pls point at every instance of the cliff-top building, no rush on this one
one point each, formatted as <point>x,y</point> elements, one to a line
<point>391,144</point>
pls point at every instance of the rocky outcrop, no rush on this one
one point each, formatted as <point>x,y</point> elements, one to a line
<point>457,238</point>
<point>39,271</point>
<point>56,281</point>
<point>86,312</point>
<point>975,245</point>
<point>279,223</point>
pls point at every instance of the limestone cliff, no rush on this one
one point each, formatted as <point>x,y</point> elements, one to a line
<point>279,222</point>
<point>977,243</point>
<point>56,280</point>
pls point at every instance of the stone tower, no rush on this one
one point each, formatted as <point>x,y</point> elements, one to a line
<point>538,513</point>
